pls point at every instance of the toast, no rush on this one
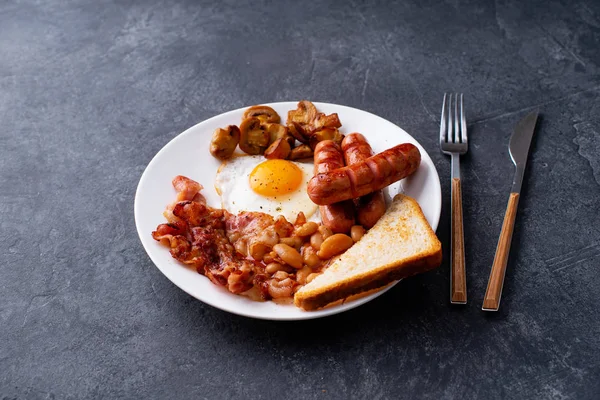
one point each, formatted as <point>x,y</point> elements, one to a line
<point>400,244</point>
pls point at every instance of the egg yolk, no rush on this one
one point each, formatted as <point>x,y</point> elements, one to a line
<point>275,177</point>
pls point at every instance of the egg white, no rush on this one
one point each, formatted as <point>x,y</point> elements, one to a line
<point>233,185</point>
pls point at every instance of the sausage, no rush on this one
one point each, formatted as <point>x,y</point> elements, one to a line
<point>338,217</point>
<point>371,207</point>
<point>367,176</point>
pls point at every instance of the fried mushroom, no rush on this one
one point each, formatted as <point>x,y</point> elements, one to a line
<point>297,131</point>
<point>304,122</point>
<point>302,151</point>
<point>254,138</point>
<point>325,134</point>
<point>279,149</point>
<point>224,142</point>
<point>276,131</point>
<point>299,120</point>
<point>331,121</point>
<point>304,114</point>
<point>264,113</point>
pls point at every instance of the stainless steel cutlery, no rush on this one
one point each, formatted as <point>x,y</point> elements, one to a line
<point>518,148</point>
<point>454,141</point>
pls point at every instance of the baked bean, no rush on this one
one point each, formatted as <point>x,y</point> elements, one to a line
<point>269,258</point>
<point>273,267</point>
<point>312,260</point>
<point>306,229</point>
<point>278,289</point>
<point>316,239</point>
<point>302,274</point>
<point>280,275</point>
<point>273,257</point>
<point>287,282</point>
<point>325,231</point>
<point>334,245</point>
<point>258,250</point>
<point>312,276</point>
<point>289,255</point>
<point>309,256</point>
<point>357,232</point>
<point>294,242</point>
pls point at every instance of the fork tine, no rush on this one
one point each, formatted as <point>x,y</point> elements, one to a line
<point>450,137</point>
<point>456,127</point>
<point>443,122</point>
<point>463,121</point>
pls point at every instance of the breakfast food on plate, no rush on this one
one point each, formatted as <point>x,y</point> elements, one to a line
<point>264,113</point>
<point>309,126</point>
<point>370,207</point>
<point>254,137</point>
<point>251,183</point>
<point>338,217</point>
<point>400,244</point>
<point>260,133</point>
<point>364,177</point>
<point>224,142</point>
<point>279,149</point>
<point>288,211</point>
<point>300,152</point>
<point>249,253</point>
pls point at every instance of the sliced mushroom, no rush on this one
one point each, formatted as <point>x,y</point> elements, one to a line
<point>299,120</point>
<point>297,131</point>
<point>279,149</point>
<point>254,138</point>
<point>304,114</point>
<point>264,113</point>
<point>291,140</point>
<point>326,121</point>
<point>224,142</point>
<point>276,131</point>
<point>325,134</point>
<point>302,151</point>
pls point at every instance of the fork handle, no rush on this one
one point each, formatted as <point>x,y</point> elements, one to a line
<point>491,301</point>
<point>458,276</point>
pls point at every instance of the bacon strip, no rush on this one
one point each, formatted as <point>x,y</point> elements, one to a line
<point>207,238</point>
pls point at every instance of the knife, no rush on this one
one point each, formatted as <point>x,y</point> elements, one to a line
<point>518,149</point>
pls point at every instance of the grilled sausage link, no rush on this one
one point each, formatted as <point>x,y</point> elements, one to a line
<point>338,217</point>
<point>368,176</point>
<point>371,207</point>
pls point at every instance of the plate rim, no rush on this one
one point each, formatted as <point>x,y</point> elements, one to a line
<point>309,315</point>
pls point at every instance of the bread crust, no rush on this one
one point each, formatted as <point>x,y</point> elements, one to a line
<point>377,277</point>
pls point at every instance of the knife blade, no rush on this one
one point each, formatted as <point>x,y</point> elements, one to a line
<point>518,148</point>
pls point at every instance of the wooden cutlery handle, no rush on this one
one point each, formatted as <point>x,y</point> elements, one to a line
<point>458,276</point>
<point>491,301</point>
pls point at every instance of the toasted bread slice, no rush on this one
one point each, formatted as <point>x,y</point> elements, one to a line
<point>400,244</point>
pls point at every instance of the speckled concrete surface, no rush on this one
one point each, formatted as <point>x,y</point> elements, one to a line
<point>90,91</point>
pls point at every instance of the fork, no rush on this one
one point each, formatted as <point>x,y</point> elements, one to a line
<point>453,141</point>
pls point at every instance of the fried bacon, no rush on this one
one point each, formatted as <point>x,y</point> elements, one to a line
<point>218,244</point>
<point>186,188</point>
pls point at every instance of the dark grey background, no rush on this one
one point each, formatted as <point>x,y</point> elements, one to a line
<point>91,90</point>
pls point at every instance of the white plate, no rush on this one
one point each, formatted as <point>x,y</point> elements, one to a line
<point>187,154</point>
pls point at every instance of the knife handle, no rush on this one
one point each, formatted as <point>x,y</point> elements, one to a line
<point>491,301</point>
<point>458,276</point>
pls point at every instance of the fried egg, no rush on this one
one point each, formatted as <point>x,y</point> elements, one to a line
<point>275,187</point>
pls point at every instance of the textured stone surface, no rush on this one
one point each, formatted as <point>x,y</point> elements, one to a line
<point>90,91</point>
